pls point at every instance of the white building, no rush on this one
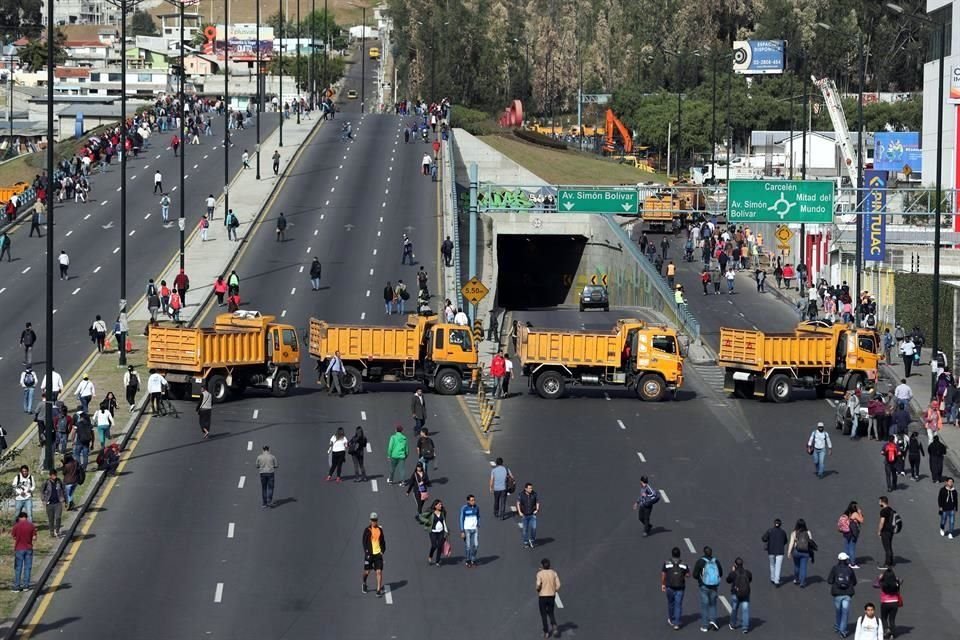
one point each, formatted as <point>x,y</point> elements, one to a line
<point>81,12</point>
<point>941,11</point>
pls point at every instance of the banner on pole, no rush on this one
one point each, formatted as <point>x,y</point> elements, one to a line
<point>874,220</point>
<point>758,56</point>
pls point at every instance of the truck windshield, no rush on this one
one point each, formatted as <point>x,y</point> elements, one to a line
<point>290,339</point>
<point>867,343</point>
<point>461,337</point>
<point>665,343</point>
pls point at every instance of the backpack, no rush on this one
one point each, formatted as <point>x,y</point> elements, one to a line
<point>897,522</point>
<point>843,578</point>
<point>843,524</point>
<point>29,379</point>
<point>676,573</point>
<point>427,449</point>
<point>741,584</point>
<point>81,474</point>
<point>803,541</point>
<point>234,223</point>
<point>890,453</point>
<point>353,446</point>
<point>649,497</point>
<point>404,295</point>
<point>151,290</point>
<point>710,576</point>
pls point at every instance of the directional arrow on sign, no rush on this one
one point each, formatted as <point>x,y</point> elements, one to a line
<point>568,205</point>
<point>625,207</point>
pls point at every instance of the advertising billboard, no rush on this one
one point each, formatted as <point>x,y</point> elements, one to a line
<point>954,97</point>
<point>892,151</point>
<point>242,40</point>
<point>758,56</point>
<point>874,220</point>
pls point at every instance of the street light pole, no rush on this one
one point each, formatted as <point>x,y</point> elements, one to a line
<point>259,89</point>
<point>122,346</point>
<point>713,125</point>
<point>313,53</point>
<point>858,254</point>
<point>326,45</point>
<point>226,108</point>
<point>363,59</point>
<point>283,32</point>
<point>48,463</point>
<point>183,143</point>
<point>297,92</point>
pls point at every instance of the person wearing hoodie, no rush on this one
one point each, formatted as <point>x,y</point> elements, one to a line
<point>914,453</point>
<point>947,504</point>
<point>842,580</point>
<point>936,453</point>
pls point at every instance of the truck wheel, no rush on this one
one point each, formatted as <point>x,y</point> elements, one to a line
<point>447,382</point>
<point>550,385</point>
<point>778,388</point>
<point>351,380</point>
<point>281,384</point>
<point>651,388</point>
<point>217,386</point>
<point>855,382</point>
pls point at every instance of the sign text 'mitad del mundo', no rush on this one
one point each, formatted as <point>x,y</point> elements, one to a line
<point>782,201</point>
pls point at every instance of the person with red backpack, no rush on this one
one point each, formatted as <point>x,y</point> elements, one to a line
<point>849,525</point>
<point>497,370</point>
<point>890,454</point>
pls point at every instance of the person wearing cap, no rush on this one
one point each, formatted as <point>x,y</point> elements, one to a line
<point>85,392</point>
<point>397,451</point>
<point>678,296</point>
<point>819,446</point>
<point>842,580</point>
<point>374,546</point>
<point>131,383</point>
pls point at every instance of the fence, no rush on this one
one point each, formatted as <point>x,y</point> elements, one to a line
<point>452,216</point>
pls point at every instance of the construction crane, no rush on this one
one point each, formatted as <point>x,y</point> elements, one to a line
<point>834,107</point>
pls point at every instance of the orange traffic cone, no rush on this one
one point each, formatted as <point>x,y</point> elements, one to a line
<point>106,344</point>
<point>129,345</point>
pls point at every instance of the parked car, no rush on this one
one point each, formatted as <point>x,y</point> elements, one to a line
<point>352,94</point>
<point>594,295</point>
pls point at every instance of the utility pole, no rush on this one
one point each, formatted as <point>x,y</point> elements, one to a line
<point>226,107</point>
<point>283,28</point>
<point>259,89</point>
<point>297,92</point>
<point>48,462</point>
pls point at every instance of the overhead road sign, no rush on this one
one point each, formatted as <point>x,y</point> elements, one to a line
<point>611,200</point>
<point>596,98</point>
<point>783,201</point>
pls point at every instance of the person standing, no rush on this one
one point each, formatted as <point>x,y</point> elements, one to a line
<point>35,222</point>
<point>947,506</point>
<point>418,408</point>
<point>71,478</point>
<point>28,382</point>
<point>708,571</point>
<point>935,454</point>
<point>528,506</point>
<point>334,374</point>
<point>890,601</point>
<point>469,529</point>
<point>739,580</point>
<point>819,446</point>
<point>158,180</point>
<point>500,479</point>
<point>842,581</point>
<point>205,411</point>
<point>357,447</point>
<point>644,504</point>
<point>885,530</point>
<point>63,260</point>
<point>315,270</point>
<point>24,534</point>
<point>438,532</point>
<point>397,452</point>
<point>338,454</point>
<point>54,497</point>
<point>233,223</point>
<point>389,299</point>
<point>849,525</point>
<point>801,549</point>
<point>507,374</point>
<point>267,468</point>
<point>548,584</point>
<point>23,488</point>
<point>281,227</point>
<point>908,351</point>
<point>914,453</point>
<point>28,338</point>
<point>276,161</point>
<point>181,283</point>
<point>673,578</point>
<point>497,370</point>
<point>86,390</point>
<point>775,540</point>
<point>891,454</point>
<point>165,209</point>
<point>374,546</point>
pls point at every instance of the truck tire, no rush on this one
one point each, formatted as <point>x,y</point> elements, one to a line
<point>651,388</point>
<point>352,380</point>
<point>281,384</point>
<point>855,382</point>
<point>778,388</point>
<point>551,385</point>
<point>217,386</point>
<point>447,382</point>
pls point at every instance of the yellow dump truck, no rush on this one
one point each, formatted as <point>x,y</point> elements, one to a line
<point>374,53</point>
<point>441,356</point>
<point>634,354</point>
<point>242,349</point>
<point>830,358</point>
<point>659,210</point>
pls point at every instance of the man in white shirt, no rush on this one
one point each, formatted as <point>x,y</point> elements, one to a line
<point>64,261</point>
<point>461,318</point>
<point>334,373</point>
<point>211,206</point>
<point>426,162</point>
<point>156,383</point>
<point>819,446</point>
<point>85,392</point>
<point>508,364</point>
<point>903,393</point>
<point>907,351</point>
<point>56,382</point>
<point>157,182</point>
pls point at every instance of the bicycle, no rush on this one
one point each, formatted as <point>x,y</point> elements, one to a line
<point>167,408</point>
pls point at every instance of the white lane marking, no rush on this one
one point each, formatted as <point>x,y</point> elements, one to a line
<point>186,175</point>
<point>371,271</point>
<point>301,268</point>
<point>68,233</point>
<point>97,269</point>
<point>332,189</point>
<point>327,203</point>
<point>309,249</point>
<point>256,413</point>
<point>832,403</point>
<point>25,270</point>
<point>640,455</point>
<point>386,192</point>
<point>316,231</point>
<point>388,178</point>
<point>363,316</point>
<point>336,177</point>
<point>158,155</point>
<point>374,252</point>
<point>243,480</point>
<point>556,598</point>
<point>606,396</point>
<point>293,291</point>
<point>369,448</point>
<point>218,594</point>
<point>249,445</point>
<point>373,486</point>
<point>378,234</point>
<point>204,156</point>
<point>756,328</point>
<point>726,605</point>
<point>101,204</point>
<point>75,291</point>
<point>384,205</point>
<point>118,188</point>
<point>368,293</point>
<point>283,314</point>
<point>363,415</point>
<point>663,494</point>
<point>381,218</point>
<point>54,310</point>
<point>622,426</point>
<point>172,190</point>
<point>230,528</point>
<point>322,216</point>
<point>690,546</point>
<point>387,596</point>
<point>87,217</point>
<point>133,232</point>
<point>3,289</point>
<point>344,157</point>
<point>147,217</point>
<point>341,166</point>
<point>146,166</point>
<point>195,166</point>
<point>117,250</point>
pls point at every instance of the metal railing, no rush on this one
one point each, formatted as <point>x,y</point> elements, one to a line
<point>453,212</point>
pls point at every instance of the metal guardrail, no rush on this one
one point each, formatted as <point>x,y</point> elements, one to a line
<point>449,164</point>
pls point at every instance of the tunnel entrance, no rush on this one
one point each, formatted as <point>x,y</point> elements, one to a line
<point>536,270</point>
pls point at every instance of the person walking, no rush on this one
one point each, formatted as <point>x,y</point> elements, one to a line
<point>469,530</point>
<point>418,409</point>
<point>908,351</point>
<point>842,580</point>
<point>673,578</point>
<point>932,421</point>
<point>24,534</point>
<point>869,626</point>
<point>82,439</point>
<point>28,382</point>
<point>849,524</point>
<point>35,222</point>
<point>497,371</point>
<point>165,209</point>
<point>98,333</point>
<point>267,468</point>
<point>157,182</point>
<point>947,508</point>
<point>204,228</point>
<point>28,338</point>
<point>374,544</point>
<point>419,484</point>
<point>182,283</point>
<point>54,498</point>
<point>334,374</point>
<point>102,420</point>
<point>397,452</point>
<point>819,447</point>
<point>801,548</point>
<point>23,488</point>
<point>446,250</point>
<point>775,541</point>
<point>276,161</point>
<point>389,299</point>
<point>500,481</point>
<point>890,601</point>
<point>205,411</point>
<point>233,223</point>
<point>426,450</point>
<point>315,270</point>
<point>85,392</point>
<point>914,453</point>
<point>357,447</point>
<point>707,572</point>
<point>281,227</point>
<point>71,478</point>
<point>739,580</point>
<point>438,532</point>
<point>245,159</point>
<point>547,585</point>
<point>891,454</point>
<point>885,530</point>
<point>5,244</point>
<point>644,504</point>
<point>63,260</point>
<point>528,506</point>
<point>936,452</point>
<point>338,454</point>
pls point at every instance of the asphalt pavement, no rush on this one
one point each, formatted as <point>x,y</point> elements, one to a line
<point>89,233</point>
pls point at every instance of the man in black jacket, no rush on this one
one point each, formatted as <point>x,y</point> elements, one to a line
<point>842,581</point>
<point>947,503</point>
<point>936,452</point>
<point>775,540</point>
<point>739,580</point>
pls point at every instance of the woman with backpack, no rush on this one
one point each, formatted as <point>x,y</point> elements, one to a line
<point>338,453</point>
<point>914,453</point>
<point>418,484</point>
<point>356,448</point>
<point>849,525</point>
<point>438,532</point>
<point>801,548</point>
<point>890,601</point>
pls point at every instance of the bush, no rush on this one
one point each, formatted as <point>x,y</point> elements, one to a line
<point>478,123</point>
<point>538,138</point>
<point>914,296</point>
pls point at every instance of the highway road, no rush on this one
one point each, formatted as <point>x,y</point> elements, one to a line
<point>89,233</point>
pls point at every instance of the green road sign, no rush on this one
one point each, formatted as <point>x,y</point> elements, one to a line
<point>622,201</point>
<point>782,201</point>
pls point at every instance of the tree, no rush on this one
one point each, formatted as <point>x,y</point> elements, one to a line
<point>21,18</point>
<point>142,24</point>
<point>286,30</point>
<point>33,56</point>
